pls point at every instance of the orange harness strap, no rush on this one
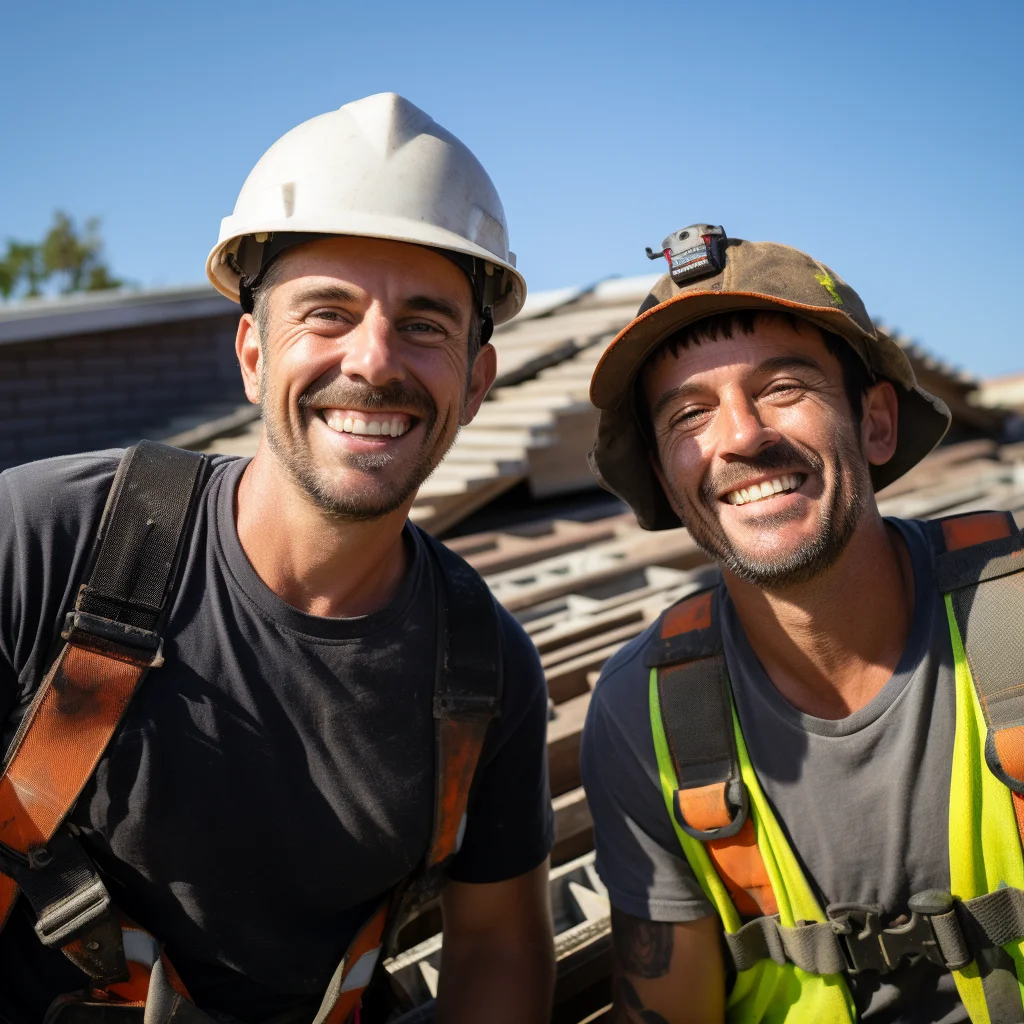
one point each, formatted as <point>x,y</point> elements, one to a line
<point>982,571</point>
<point>696,710</point>
<point>80,704</point>
<point>112,640</point>
<point>76,712</point>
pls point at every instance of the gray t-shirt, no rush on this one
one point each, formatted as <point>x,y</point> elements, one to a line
<point>276,776</point>
<point>864,800</point>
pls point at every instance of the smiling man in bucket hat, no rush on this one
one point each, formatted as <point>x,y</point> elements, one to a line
<point>793,814</point>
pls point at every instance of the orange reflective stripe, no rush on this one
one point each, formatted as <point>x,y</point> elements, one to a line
<point>693,613</point>
<point>460,744</point>
<point>966,531</point>
<point>77,710</point>
<point>360,960</point>
<point>740,865</point>
<point>141,953</point>
<point>704,807</point>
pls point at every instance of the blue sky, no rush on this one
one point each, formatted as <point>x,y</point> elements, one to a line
<point>885,138</point>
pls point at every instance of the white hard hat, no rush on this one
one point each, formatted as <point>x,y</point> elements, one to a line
<point>381,168</point>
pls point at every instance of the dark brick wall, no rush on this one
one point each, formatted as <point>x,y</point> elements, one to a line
<point>89,391</point>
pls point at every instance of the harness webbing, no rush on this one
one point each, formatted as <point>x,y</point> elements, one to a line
<point>981,572</point>
<point>977,932</point>
<point>113,639</point>
<point>710,801</point>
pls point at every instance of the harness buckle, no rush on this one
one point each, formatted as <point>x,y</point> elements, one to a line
<point>867,946</point>
<point>117,639</point>
<point>62,922</point>
<point>467,706</point>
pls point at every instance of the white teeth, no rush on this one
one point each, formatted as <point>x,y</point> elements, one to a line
<point>372,428</point>
<point>756,492</point>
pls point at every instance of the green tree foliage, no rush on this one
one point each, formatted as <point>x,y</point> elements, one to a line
<point>66,260</point>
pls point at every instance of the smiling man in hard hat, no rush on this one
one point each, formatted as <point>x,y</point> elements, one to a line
<point>803,779</point>
<point>254,718</point>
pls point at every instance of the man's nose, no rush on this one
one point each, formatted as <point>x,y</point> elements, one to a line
<point>370,350</point>
<point>741,430</point>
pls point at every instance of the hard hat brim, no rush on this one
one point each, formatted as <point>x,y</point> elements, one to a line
<point>395,229</point>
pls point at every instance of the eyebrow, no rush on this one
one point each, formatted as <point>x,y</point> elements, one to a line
<point>325,293</point>
<point>777,363</point>
<point>431,304</point>
<point>773,365</point>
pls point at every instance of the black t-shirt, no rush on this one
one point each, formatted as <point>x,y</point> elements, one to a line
<point>275,776</point>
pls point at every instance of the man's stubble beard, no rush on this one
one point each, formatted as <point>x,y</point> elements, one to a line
<point>292,451</point>
<point>851,486</point>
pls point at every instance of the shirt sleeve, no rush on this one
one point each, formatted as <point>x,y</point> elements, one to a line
<point>639,857</point>
<point>49,511</point>
<point>510,824</point>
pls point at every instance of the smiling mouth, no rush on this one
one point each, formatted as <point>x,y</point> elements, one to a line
<point>784,484</point>
<point>367,424</point>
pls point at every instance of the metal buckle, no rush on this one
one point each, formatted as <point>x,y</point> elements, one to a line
<point>62,922</point>
<point>867,946</point>
<point>141,646</point>
<point>737,802</point>
<point>466,706</point>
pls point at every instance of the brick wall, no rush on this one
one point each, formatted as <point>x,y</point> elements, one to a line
<point>88,391</point>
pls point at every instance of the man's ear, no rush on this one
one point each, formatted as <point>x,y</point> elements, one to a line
<point>879,425</point>
<point>247,348</point>
<point>481,377</point>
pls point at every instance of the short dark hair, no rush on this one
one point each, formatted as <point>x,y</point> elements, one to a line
<point>857,378</point>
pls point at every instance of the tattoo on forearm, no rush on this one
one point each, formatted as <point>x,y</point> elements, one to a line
<point>629,1007</point>
<point>643,948</point>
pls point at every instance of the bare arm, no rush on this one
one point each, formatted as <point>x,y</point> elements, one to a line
<point>667,973</point>
<point>497,961</point>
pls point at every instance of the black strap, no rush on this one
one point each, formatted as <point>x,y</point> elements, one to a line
<point>468,684</point>
<point>694,694</point>
<point>469,680</point>
<point>149,512</point>
<point>131,576</point>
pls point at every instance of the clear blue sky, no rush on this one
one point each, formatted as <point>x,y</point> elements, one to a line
<point>885,138</point>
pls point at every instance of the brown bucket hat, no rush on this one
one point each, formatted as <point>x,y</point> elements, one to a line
<point>753,276</point>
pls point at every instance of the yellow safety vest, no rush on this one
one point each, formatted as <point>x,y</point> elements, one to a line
<point>984,843</point>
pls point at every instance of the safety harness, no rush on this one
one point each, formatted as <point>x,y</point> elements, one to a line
<point>790,956</point>
<point>111,640</point>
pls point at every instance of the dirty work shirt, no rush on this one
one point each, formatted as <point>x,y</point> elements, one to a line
<point>864,800</point>
<point>275,776</point>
